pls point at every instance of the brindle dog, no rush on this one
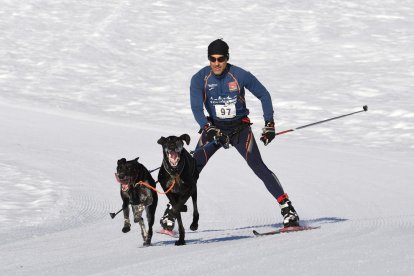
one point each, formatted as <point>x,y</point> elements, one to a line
<point>128,174</point>
<point>178,169</point>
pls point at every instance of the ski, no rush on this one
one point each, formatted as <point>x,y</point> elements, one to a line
<point>168,232</point>
<point>286,230</point>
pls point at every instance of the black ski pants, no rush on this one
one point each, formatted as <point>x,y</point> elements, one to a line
<point>246,145</point>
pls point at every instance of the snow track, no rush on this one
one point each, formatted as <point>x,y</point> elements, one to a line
<point>84,83</point>
<point>36,199</point>
<point>345,202</point>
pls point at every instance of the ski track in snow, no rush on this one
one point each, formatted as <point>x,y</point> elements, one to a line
<point>83,84</point>
<point>352,212</point>
<point>31,188</point>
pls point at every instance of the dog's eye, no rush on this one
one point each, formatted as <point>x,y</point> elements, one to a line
<point>179,145</point>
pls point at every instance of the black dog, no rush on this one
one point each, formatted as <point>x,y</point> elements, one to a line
<point>178,169</point>
<point>129,174</point>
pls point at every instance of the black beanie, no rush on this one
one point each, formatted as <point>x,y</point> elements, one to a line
<point>218,47</point>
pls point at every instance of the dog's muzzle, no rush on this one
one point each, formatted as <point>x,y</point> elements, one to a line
<point>173,151</point>
<point>173,157</point>
<point>123,181</point>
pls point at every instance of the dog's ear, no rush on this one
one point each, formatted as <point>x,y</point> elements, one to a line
<point>121,161</point>
<point>161,140</point>
<point>136,159</point>
<point>186,138</point>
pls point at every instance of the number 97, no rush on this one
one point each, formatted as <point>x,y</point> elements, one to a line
<point>225,111</point>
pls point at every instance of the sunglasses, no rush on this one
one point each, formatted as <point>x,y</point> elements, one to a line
<point>219,59</point>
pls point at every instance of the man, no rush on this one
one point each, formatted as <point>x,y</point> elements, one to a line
<point>220,89</point>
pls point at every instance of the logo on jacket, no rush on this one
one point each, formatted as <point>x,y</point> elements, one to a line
<point>211,86</point>
<point>233,86</point>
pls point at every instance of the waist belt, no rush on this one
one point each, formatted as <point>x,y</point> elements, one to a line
<point>231,124</point>
<point>230,130</point>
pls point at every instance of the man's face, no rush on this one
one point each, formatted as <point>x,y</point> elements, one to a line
<point>218,63</point>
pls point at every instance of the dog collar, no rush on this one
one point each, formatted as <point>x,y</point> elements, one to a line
<point>173,171</point>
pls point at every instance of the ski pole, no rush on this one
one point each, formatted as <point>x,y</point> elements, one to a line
<point>114,214</point>
<point>364,109</point>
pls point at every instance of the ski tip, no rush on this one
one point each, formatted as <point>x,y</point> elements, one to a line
<point>286,230</point>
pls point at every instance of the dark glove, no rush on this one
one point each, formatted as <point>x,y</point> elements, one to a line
<point>211,132</point>
<point>268,133</point>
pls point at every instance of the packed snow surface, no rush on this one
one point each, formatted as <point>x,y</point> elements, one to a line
<point>85,83</point>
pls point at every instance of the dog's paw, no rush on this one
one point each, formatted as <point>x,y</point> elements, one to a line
<point>180,242</point>
<point>147,243</point>
<point>126,228</point>
<point>194,226</point>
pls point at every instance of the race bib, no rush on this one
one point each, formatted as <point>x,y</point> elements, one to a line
<point>225,111</point>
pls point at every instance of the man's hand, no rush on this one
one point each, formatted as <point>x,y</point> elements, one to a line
<point>211,132</point>
<point>268,133</point>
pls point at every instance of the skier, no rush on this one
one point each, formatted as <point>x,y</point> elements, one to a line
<point>220,89</point>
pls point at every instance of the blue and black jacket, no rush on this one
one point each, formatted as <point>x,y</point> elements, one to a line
<point>224,96</point>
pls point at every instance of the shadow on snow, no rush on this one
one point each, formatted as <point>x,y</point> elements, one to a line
<point>229,237</point>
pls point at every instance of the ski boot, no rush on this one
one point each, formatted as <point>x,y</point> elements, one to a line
<point>290,217</point>
<point>168,221</point>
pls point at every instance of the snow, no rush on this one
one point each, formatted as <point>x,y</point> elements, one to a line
<point>85,83</point>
